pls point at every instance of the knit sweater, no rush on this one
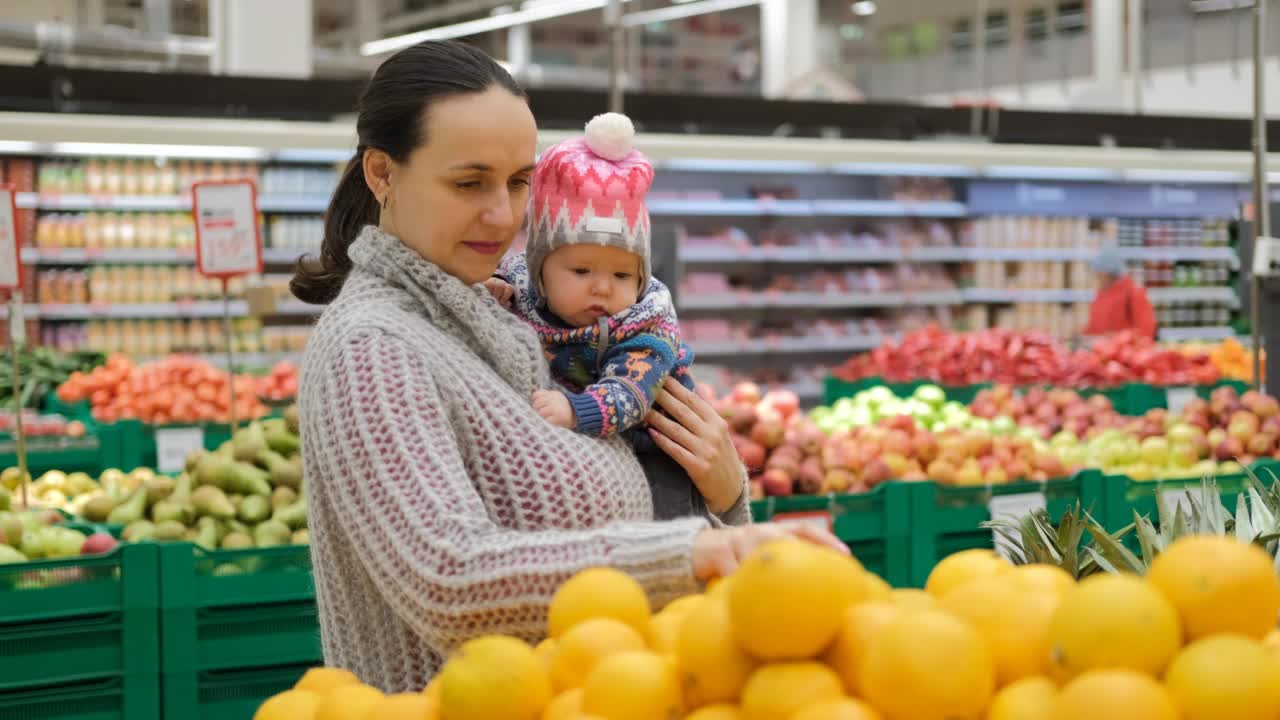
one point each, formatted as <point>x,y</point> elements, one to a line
<point>441,506</point>
<point>613,369</point>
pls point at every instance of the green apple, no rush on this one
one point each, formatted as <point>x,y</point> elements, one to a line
<point>1003,425</point>
<point>1154,451</point>
<point>931,395</point>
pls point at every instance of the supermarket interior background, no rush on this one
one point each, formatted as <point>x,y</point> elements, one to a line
<point>881,223</point>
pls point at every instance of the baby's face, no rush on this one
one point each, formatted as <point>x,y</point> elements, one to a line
<point>586,282</point>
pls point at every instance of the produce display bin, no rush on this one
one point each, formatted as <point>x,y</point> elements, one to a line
<point>230,695</point>
<point>126,697</point>
<point>73,622</point>
<point>875,525</point>
<point>228,610</point>
<point>138,441</point>
<point>946,520</point>
<point>1241,387</point>
<point>835,388</point>
<point>1126,495</point>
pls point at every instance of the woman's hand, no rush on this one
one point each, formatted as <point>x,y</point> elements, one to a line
<point>717,553</point>
<point>697,438</point>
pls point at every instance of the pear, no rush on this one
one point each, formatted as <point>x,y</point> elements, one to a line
<point>235,526</point>
<point>4,498</point>
<point>301,537</point>
<point>169,531</point>
<point>283,441</point>
<point>282,496</point>
<point>12,477</point>
<point>271,533</point>
<point>98,508</point>
<point>169,510</point>
<point>283,472</point>
<point>294,516</point>
<point>9,556</point>
<point>254,509</point>
<point>291,418</point>
<point>181,489</point>
<point>138,531</point>
<point>131,509</point>
<point>209,469</point>
<point>158,488</point>
<point>193,459</point>
<point>248,442</point>
<point>209,533</point>
<point>243,478</point>
<point>79,483</point>
<point>209,500</point>
<point>237,541</point>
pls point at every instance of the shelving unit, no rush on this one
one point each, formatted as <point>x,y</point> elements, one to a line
<point>767,187</point>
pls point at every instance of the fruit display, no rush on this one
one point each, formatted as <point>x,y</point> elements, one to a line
<point>41,535</point>
<point>801,632</point>
<point>42,424</point>
<point>71,492</point>
<point>278,385</point>
<point>177,389</point>
<point>1020,358</point>
<point>42,371</point>
<point>1232,359</point>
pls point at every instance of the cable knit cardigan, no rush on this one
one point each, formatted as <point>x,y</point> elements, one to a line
<point>441,506</point>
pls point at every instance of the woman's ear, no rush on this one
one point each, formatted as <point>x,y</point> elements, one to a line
<point>377,172</point>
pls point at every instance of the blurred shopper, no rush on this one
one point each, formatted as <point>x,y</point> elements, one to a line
<point>1121,304</point>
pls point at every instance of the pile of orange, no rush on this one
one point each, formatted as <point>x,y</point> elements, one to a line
<point>804,633</point>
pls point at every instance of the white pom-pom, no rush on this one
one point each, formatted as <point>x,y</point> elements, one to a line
<point>611,136</point>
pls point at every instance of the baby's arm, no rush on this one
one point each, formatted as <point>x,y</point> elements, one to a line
<point>630,376</point>
<point>501,290</point>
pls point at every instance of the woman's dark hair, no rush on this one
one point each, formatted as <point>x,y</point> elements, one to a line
<point>391,118</point>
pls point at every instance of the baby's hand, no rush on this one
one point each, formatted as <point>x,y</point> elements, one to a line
<point>501,291</point>
<point>554,407</point>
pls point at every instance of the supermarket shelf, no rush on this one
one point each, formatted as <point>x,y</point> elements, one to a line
<point>138,256</point>
<point>746,207</point>
<point>1224,295</point>
<point>715,255</point>
<point>785,346</point>
<point>1183,334</point>
<point>160,203</point>
<point>1181,254</point>
<point>806,300</point>
<point>981,295</point>
<point>142,311</point>
<point>711,255</point>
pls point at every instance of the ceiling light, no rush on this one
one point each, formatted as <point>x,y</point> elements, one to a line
<point>544,10</point>
<point>864,8</point>
<point>684,10</point>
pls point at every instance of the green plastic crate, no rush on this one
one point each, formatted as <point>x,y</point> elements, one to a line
<point>946,520</point>
<point>875,525</point>
<point>229,695</point>
<point>1126,495</point>
<point>130,697</point>
<point>264,615</point>
<point>81,619</point>
<point>137,441</point>
<point>1204,391</point>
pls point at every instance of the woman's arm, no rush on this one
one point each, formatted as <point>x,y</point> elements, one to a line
<point>394,476</point>
<point>697,438</point>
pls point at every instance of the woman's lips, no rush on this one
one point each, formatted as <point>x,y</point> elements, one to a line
<point>485,248</point>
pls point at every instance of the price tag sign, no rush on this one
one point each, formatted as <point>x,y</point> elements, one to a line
<point>227,239</point>
<point>817,518</point>
<point>1012,507</point>
<point>173,445</point>
<point>10,267</point>
<point>1178,397</point>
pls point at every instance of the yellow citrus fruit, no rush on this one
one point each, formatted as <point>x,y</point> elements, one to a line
<point>1113,621</point>
<point>289,705</point>
<point>1012,619</point>
<point>580,649</point>
<point>957,569</point>
<point>565,706</point>
<point>598,593</point>
<point>719,711</point>
<point>321,680</point>
<point>546,652</point>
<point>1218,585</point>
<point>928,665</point>
<point>711,666</point>
<point>1114,694</point>
<point>779,690</point>
<point>787,600</point>
<point>877,588</point>
<point>404,706</point>
<point>494,677</point>
<point>432,690</point>
<point>844,709</point>
<point>1272,643</point>
<point>1051,578</point>
<point>861,623</point>
<point>718,586</point>
<point>1027,699</point>
<point>912,599</point>
<point>680,606</point>
<point>1225,677</point>
<point>348,702</point>
<point>663,630</point>
<point>633,686</point>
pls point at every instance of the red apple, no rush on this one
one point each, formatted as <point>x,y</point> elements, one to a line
<point>942,472</point>
<point>876,472</point>
<point>1261,444</point>
<point>837,480</point>
<point>785,402</point>
<point>746,393</point>
<point>809,479</point>
<point>924,447</point>
<point>1229,449</point>
<point>98,543</point>
<point>752,454</point>
<point>776,482</point>
<point>768,433</point>
<point>898,443</point>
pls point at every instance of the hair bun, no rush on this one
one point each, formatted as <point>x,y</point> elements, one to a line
<point>611,136</point>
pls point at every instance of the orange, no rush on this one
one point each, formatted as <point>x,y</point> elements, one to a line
<point>289,705</point>
<point>928,665</point>
<point>779,690</point>
<point>861,623</point>
<point>1225,677</point>
<point>348,702</point>
<point>404,706</point>
<point>912,599</point>
<point>1218,585</point>
<point>957,569</point>
<point>494,677</point>
<point>1039,576</point>
<point>1112,621</point>
<point>1027,699</point>
<point>323,679</point>
<point>565,706</point>
<point>844,709</point>
<point>787,600</point>
<point>598,593</point>
<point>711,666</point>
<point>719,711</point>
<point>633,686</point>
<point>1114,694</point>
<point>1013,620</point>
<point>580,649</point>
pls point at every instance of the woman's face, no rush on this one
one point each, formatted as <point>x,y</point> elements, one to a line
<point>460,198</point>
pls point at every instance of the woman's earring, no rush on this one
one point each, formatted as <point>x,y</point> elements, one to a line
<point>385,199</point>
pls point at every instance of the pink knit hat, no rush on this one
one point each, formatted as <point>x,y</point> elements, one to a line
<point>591,190</point>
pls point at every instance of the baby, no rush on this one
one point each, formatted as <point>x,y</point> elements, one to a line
<point>608,328</point>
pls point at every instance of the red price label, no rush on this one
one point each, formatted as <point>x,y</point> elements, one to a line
<point>227,239</point>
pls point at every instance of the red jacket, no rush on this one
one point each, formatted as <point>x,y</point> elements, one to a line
<point>1122,305</point>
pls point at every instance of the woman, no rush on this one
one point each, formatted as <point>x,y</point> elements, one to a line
<point>1121,304</point>
<point>441,505</point>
